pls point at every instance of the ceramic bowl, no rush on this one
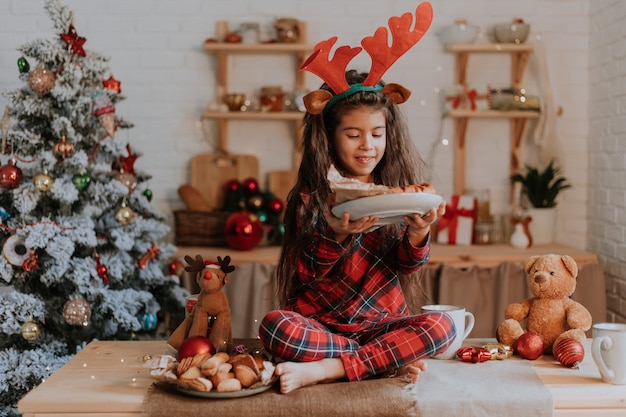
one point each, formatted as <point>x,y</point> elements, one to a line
<point>459,32</point>
<point>515,32</point>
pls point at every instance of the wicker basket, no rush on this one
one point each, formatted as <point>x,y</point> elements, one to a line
<point>200,228</point>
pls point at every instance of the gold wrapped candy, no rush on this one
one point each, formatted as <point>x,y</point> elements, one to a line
<point>498,351</point>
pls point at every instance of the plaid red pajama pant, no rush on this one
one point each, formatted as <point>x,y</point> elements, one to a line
<point>369,351</point>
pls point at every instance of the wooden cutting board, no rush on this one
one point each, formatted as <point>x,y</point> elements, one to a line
<point>210,172</point>
<point>281,182</point>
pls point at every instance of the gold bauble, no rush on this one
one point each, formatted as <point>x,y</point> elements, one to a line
<point>41,81</point>
<point>30,330</point>
<point>43,182</point>
<point>124,215</point>
<point>77,312</point>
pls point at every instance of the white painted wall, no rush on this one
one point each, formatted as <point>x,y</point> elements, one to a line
<point>156,51</point>
<point>607,150</point>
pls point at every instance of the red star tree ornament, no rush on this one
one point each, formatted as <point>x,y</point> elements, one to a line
<point>75,43</point>
<point>126,163</point>
<point>112,84</point>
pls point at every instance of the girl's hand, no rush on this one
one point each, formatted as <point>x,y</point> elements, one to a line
<point>419,226</point>
<point>344,226</point>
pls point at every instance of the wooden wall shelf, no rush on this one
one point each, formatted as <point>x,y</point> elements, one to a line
<point>519,58</point>
<point>253,115</point>
<point>222,51</point>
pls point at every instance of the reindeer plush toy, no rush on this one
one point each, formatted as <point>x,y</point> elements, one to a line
<point>210,316</point>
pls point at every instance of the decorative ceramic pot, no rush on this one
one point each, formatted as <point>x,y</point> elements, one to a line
<point>541,226</point>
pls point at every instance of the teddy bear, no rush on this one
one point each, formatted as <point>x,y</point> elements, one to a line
<point>550,312</point>
<point>210,317</point>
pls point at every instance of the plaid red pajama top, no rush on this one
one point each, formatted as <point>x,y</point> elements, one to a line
<point>349,293</point>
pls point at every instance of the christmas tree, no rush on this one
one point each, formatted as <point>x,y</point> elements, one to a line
<point>82,256</point>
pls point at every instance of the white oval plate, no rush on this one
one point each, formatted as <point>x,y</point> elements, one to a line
<point>389,208</point>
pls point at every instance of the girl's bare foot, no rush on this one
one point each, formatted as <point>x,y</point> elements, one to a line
<point>294,375</point>
<point>413,370</point>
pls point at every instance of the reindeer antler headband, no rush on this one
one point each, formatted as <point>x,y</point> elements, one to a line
<point>333,71</point>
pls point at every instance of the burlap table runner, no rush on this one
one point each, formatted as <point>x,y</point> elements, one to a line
<point>449,389</point>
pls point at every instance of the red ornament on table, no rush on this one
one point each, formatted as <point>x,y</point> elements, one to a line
<point>250,186</point>
<point>10,175</point>
<point>570,353</point>
<point>195,345</point>
<point>474,354</point>
<point>243,230</point>
<point>529,345</point>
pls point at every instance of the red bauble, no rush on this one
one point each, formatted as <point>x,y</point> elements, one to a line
<point>10,175</point>
<point>177,268</point>
<point>275,205</point>
<point>250,185</point>
<point>529,345</point>
<point>569,352</point>
<point>243,230</point>
<point>195,345</point>
<point>232,186</point>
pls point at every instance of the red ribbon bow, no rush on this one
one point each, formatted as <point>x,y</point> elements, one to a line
<point>451,217</point>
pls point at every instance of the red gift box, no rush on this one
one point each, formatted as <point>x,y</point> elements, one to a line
<point>456,226</point>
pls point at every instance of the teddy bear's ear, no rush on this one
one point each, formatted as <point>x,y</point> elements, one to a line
<point>530,262</point>
<point>570,265</point>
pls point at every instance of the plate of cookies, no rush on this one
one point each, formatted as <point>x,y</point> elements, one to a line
<point>219,375</point>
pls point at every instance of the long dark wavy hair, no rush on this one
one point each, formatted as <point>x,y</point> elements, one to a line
<point>400,165</point>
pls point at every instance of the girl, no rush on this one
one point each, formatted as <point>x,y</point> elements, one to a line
<point>345,315</point>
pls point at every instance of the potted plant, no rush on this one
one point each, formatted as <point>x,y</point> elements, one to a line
<point>540,189</point>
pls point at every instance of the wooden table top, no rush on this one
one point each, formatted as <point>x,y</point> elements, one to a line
<point>456,255</point>
<point>108,378</point>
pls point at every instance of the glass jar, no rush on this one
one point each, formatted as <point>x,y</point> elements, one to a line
<point>482,233</point>
<point>272,99</point>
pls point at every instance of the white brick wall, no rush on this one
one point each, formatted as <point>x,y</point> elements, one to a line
<point>156,51</point>
<point>607,149</point>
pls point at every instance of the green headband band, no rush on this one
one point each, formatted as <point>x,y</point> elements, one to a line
<point>354,88</point>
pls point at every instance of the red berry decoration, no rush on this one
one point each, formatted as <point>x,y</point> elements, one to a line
<point>243,230</point>
<point>232,186</point>
<point>195,345</point>
<point>250,186</point>
<point>569,352</point>
<point>275,205</point>
<point>529,345</point>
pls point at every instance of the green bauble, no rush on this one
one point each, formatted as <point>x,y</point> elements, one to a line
<point>23,65</point>
<point>148,193</point>
<point>81,181</point>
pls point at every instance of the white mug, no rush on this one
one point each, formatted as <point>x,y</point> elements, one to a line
<point>609,351</point>
<point>463,321</point>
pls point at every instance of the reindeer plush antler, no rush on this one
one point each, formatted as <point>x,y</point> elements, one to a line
<point>224,264</point>
<point>332,71</point>
<point>196,265</point>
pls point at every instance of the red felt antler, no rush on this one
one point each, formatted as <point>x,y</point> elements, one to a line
<point>403,39</point>
<point>332,71</point>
